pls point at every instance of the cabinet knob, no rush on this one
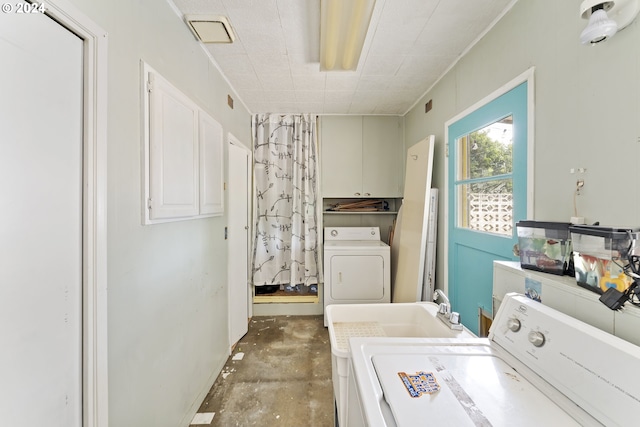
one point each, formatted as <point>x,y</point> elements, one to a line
<point>356,194</point>
<point>367,194</point>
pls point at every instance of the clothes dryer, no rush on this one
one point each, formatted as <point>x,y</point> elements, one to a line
<point>357,266</point>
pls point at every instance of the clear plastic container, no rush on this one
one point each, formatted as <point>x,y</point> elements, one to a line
<point>544,246</point>
<point>600,256</point>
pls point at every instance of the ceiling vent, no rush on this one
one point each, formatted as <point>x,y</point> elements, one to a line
<point>210,28</point>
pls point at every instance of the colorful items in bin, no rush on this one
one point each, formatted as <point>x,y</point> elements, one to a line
<point>544,246</point>
<point>599,274</point>
<point>600,256</point>
<point>619,281</point>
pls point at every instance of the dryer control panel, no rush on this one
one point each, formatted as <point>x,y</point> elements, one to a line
<point>351,233</point>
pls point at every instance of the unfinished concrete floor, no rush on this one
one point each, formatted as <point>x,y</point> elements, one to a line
<point>278,375</point>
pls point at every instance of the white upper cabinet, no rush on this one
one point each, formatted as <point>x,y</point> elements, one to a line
<point>211,171</point>
<point>184,155</point>
<point>341,148</point>
<point>382,155</point>
<point>361,156</point>
<point>173,152</point>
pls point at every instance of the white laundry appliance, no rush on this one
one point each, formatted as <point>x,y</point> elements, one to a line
<point>538,367</point>
<point>357,266</point>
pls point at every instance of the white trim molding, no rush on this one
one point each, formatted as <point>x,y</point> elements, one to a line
<point>94,335</point>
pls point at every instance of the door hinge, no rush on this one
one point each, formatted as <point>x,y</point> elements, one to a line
<point>149,201</point>
<point>149,86</point>
<point>446,150</point>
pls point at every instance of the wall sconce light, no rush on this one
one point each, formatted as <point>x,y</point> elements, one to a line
<point>343,29</point>
<point>210,29</point>
<point>606,18</point>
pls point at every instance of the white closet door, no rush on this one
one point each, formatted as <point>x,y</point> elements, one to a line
<point>239,191</point>
<point>41,110</point>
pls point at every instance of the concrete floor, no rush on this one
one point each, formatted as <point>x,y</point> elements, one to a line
<point>283,378</point>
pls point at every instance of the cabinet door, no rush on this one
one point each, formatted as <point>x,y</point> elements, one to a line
<point>357,277</point>
<point>382,153</point>
<point>341,148</point>
<point>211,166</point>
<point>173,134</point>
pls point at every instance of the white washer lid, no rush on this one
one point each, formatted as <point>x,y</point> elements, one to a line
<point>475,390</point>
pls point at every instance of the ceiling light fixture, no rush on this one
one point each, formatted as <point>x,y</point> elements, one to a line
<point>210,28</point>
<point>606,18</point>
<point>343,29</point>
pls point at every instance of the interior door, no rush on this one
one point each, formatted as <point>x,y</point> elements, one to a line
<point>487,187</point>
<point>41,181</point>
<point>239,191</point>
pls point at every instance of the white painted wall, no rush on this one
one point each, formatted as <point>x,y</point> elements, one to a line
<point>167,282</point>
<point>587,110</point>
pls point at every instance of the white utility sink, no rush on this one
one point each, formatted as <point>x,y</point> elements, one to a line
<point>378,320</point>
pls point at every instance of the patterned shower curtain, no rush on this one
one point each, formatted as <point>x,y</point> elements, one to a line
<point>285,249</point>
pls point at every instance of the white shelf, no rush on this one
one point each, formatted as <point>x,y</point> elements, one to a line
<point>382,219</point>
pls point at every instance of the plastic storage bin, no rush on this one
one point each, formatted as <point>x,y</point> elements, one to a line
<point>600,256</point>
<point>408,320</point>
<point>544,246</point>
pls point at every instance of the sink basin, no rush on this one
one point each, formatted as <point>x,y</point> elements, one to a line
<point>385,320</point>
<point>405,320</point>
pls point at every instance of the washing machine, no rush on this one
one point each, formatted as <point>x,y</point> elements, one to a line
<point>538,367</point>
<point>357,266</point>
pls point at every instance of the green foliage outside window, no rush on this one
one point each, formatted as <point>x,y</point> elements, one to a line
<point>489,157</point>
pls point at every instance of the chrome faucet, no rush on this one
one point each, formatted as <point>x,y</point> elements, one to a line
<point>442,295</point>
<point>451,319</point>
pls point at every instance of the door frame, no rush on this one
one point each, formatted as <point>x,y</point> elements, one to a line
<point>232,140</point>
<point>94,215</point>
<point>527,76</point>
